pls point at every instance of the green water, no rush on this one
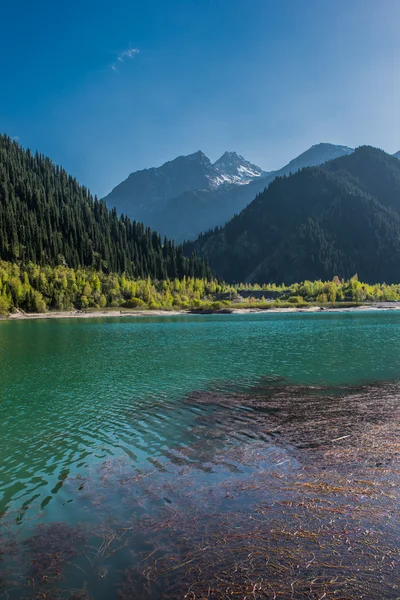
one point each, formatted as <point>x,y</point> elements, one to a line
<point>78,394</point>
<point>73,392</point>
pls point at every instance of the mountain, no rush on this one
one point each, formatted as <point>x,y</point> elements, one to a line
<point>397,154</point>
<point>339,219</point>
<point>314,156</point>
<point>145,193</point>
<point>233,168</point>
<point>48,218</point>
<point>190,195</point>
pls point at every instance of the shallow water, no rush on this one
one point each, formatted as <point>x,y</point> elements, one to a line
<point>98,426</point>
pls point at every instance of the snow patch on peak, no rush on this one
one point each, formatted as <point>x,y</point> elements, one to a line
<point>231,167</point>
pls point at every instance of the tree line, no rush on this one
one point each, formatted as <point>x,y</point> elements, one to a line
<point>36,288</point>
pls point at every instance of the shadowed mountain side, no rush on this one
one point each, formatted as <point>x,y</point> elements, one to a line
<point>338,219</point>
<point>192,212</point>
<point>190,195</point>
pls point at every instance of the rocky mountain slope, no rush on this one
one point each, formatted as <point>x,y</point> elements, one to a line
<point>190,194</point>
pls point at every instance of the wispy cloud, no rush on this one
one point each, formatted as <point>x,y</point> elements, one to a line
<point>127,54</point>
<point>15,138</point>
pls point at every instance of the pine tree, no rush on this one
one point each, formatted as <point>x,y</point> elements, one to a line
<point>48,218</point>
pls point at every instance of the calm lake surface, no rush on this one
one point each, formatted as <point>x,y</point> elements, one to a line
<point>83,398</point>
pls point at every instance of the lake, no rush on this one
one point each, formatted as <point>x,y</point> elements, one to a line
<point>122,439</point>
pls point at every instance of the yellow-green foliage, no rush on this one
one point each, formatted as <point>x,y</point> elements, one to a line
<point>36,289</point>
<point>33,288</point>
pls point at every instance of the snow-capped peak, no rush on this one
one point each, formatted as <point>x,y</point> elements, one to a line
<point>233,168</point>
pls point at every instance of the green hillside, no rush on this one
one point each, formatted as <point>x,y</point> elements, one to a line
<point>338,219</point>
<point>47,218</point>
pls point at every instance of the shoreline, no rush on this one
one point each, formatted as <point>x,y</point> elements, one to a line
<point>82,314</point>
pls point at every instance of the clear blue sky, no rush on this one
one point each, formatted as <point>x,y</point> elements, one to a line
<point>267,78</point>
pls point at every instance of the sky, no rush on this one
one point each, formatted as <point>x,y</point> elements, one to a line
<point>107,88</point>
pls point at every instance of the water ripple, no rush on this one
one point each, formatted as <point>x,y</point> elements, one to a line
<point>74,393</point>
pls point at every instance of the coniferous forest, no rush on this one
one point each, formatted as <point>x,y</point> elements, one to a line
<point>338,219</point>
<point>48,218</point>
<point>61,248</point>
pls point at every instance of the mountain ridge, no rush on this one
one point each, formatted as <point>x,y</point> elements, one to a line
<point>206,194</point>
<point>336,219</point>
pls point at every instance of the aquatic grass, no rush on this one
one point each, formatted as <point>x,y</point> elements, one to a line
<point>309,513</point>
<point>332,536</point>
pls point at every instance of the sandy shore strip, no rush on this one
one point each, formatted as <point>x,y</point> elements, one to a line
<point>89,314</point>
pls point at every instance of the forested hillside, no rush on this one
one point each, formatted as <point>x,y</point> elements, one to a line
<point>338,219</point>
<point>47,218</point>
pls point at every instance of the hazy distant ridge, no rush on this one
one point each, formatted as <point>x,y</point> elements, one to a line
<point>190,194</point>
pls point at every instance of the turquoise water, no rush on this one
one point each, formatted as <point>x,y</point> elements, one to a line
<point>76,391</point>
<point>79,394</point>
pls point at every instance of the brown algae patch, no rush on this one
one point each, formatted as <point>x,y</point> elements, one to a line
<point>284,492</point>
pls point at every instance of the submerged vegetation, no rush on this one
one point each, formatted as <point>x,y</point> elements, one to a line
<point>35,288</point>
<point>300,501</point>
